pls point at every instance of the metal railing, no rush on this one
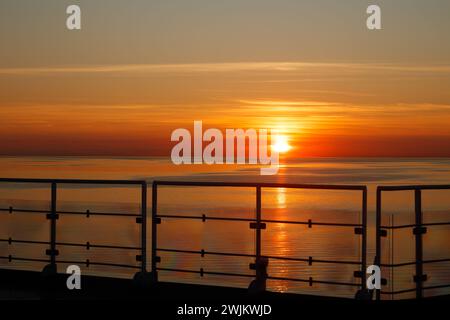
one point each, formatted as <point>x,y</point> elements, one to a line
<point>53,215</point>
<point>419,228</point>
<point>258,224</point>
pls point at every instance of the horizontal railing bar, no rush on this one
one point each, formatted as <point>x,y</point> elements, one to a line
<point>413,263</point>
<point>404,226</point>
<point>84,213</point>
<point>72,244</point>
<point>437,286</point>
<point>208,272</point>
<point>25,241</point>
<point>101,246</point>
<point>430,224</point>
<point>253,256</point>
<point>73,262</point>
<point>252,276</point>
<point>315,281</point>
<point>204,218</point>
<point>395,265</point>
<point>398,291</point>
<point>23,210</point>
<point>414,187</point>
<point>312,223</point>
<point>207,252</point>
<point>331,224</point>
<point>178,270</point>
<point>436,260</point>
<point>106,264</point>
<point>23,259</point>
<point>73,181</point>
<point>314,260</point>
<point>99,213</point>
<point>258,184</point>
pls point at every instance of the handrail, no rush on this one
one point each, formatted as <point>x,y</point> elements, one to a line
<point>73,181</point>
<point>415,187</point>
<point>259,184</point>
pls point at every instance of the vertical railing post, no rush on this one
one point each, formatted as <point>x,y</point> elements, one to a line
<point>378,237</point>
<point>260,265</point>
<point>364,239</point>
<point>53,227</point>
<point>154,228</point>
<point>419,243</point>
<point>144,226</point>
<point>258,223</point>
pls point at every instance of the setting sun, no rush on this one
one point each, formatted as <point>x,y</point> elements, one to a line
<point>281,144</point>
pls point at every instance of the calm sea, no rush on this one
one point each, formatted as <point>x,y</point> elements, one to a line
<point>283,240</point>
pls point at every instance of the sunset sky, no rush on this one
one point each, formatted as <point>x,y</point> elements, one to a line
<point>140,69</point>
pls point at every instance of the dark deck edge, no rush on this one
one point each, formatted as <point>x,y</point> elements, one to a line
<point>33,285</point>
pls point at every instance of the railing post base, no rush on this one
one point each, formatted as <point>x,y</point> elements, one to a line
<point>259,284</point>
<point>49,279</point>
<point>364,294</point>
<point>144,280</point>
<point>49,270</point>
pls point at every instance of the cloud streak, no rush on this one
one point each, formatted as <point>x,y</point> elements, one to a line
<point>282,67</point>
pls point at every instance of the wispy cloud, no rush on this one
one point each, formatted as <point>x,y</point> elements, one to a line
<point>223,67</point>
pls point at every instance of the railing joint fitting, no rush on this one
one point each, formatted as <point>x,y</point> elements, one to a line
<point>52,252</point>
<point>357,274</point>
<point>419,230</point>
<point>258,225</point>
<point>52,216</point>
<point>421,278</point>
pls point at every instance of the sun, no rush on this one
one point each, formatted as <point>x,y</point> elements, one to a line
<point>280,144</point>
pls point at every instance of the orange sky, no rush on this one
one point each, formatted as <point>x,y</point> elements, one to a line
<point>324,109</point>
<point>133,74</point>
